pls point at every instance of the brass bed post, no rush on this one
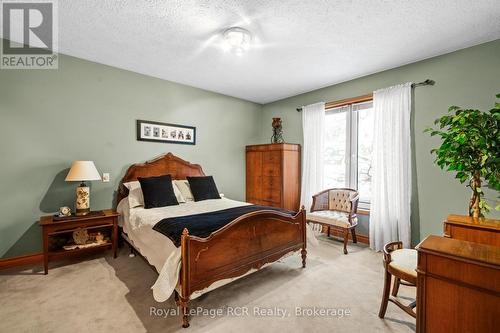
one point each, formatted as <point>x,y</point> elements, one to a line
<point>184,297</point>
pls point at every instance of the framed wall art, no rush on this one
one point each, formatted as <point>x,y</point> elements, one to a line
<point>153,131</point>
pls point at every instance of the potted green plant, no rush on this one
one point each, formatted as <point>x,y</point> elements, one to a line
<point>470,147</point>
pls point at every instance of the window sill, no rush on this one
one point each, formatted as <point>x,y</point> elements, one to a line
<point>363,212</point>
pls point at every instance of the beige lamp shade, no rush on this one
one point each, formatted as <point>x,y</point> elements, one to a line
<point>82,171</point>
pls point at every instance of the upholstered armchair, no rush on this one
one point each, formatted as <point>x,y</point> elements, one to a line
<point>336,208</point>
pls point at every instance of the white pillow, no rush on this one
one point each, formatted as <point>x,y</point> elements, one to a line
<point>183,186</point>
<point>178,194</point>
<point>136,198</point>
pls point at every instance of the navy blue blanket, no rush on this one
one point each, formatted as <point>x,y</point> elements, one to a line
<point>202,225</point>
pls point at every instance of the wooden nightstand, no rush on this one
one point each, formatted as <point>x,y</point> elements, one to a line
<point>58,233</point>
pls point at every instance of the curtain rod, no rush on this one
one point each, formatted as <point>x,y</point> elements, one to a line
<point>427,82</point>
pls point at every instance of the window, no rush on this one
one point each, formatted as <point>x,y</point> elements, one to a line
<point>348,148</point>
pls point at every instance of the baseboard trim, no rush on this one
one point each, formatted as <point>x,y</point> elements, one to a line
<point>36,258</point>
<point>337,233</point>
<point>28,259</point>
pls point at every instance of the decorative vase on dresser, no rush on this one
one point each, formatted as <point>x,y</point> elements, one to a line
<point>273,175</point>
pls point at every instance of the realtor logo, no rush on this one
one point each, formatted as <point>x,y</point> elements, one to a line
<point>29,32</point>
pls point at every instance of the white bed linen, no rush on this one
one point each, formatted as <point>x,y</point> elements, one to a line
<point>161,252</point>
<point>158,249</point>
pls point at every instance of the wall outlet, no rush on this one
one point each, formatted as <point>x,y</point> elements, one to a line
<point>105,177</point>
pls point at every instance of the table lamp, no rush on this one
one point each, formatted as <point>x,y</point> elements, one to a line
<point>82,171</point>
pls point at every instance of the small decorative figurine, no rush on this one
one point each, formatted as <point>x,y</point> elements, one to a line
<point>277,131</point>
<point>99,238</point>
<point>64,211</point>
<point>80,236</point>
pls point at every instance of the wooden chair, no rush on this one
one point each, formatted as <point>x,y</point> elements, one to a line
<point>402,264</point>
<point>336,208</point>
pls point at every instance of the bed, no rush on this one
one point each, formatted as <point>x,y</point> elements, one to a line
<point>246,244</point>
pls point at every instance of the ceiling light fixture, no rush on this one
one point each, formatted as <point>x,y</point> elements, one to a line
<point>237,40</point>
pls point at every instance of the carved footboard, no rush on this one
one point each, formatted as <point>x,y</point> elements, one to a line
<point>249,242</point>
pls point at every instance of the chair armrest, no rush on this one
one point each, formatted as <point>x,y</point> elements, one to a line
<point>354,206</point>
<point>389,247</point>
<point>320,201</point>
<point>352,217</point>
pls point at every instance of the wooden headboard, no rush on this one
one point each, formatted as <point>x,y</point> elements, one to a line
<point>163,165</point>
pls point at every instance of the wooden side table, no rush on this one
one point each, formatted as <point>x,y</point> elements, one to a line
<point>477,230</point>
<point>59,232</point>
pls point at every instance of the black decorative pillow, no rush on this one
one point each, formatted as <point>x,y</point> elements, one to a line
<point>158,191</point>
<point>203,188</point>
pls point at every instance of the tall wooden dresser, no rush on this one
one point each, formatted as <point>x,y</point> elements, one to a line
<point>273,175</point>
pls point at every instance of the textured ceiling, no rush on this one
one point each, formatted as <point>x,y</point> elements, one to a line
<point>299,45</point>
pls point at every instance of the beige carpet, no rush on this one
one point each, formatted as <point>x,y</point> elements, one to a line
<point>103,294</point>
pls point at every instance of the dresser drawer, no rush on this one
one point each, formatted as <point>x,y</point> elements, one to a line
<point>271,183</point>
<point>271,163</point>
<point>271,170</point>
<point>254,201</point>
<point>271,157</point>
<point>271,189</point>
<point>271,194</point>
<point>269,203</point>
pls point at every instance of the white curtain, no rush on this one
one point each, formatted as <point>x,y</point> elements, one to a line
<point>391,181</point>
<point>313,126</point>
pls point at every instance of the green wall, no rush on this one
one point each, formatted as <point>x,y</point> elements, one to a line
<point>86,110</point>
<point>468,78</point>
